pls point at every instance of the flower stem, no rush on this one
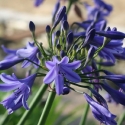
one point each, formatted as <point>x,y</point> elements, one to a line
<point>69,6</point>
<point>6,119</point>
<point>85,114</point>
<point>34,102</point>
<point>121,118</point>
<point>47,108</point>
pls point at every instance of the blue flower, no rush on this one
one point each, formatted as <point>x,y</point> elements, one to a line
<point>101,113</point>
<point>22,89</point>
<point>31,52</point>
<point>10,60</point>
<point>106,8</point>
<point>59,70</point>
<point>117,96</point>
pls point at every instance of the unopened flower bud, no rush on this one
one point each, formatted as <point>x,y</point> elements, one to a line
<point>58,46</point>
<point>31,26</point>
<point>114,29</point>
<point>65,25</point>
<point>57,33</point>
<point>60,14</point>
<point>48,29</point>
<point>62,53</point>
<point>66,90</point>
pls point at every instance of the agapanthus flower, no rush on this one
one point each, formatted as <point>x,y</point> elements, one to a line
<point>101,113</point>
<point>60,70</point>
<point>22,89</point>
<point>31,52</point>
<point>10,60</point>
<point>106,8</point>
<point>117,96</point>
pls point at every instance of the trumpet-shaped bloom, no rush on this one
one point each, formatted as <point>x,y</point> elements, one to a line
<point>30,52</point>
<point>59,70</point>
<point>21,87</point>
<point>101,113</point>
<point>10,60</point>
<point>117,96</point>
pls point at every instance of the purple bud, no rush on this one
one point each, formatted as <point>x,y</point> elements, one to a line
<point>48,29</point>
<point>111,34</point>
<point>114,29</point>
<point>56,8</point>
<point>57,33</point>
<point>62,53</point>
<point>66,90</point>
<point>64,17</point>
<point>58,46</point>
<point>31,26</point>
<point>91,26</point>
<point>108,29</point>
<point>65,25</point>
<point>70,38</point>
<point>89,37</point>
<point>59,16</point>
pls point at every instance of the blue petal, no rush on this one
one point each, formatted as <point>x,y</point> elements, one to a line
<point>59,83</point>
<point>6,64</point>
<point>49,64</point>
<point>50,76</point>
<point>23,53</point>
<point>25,64</point>
<point>65,60</point>
<point>24,101</point>
<point>70,75</point>
<point>55,60</point>
<point>73,65</point>
<point>9,87</point>
<point>8,78</point>
<point>8,51</point>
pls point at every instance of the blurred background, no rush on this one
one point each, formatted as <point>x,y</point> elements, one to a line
<point>14,33</point>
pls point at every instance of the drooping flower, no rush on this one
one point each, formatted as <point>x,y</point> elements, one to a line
<point>22,89</point>
<point>30,52</point>
<point>117,96</point>
<point>59,70</point>
<point>101,113</point>
<point>10,60</point>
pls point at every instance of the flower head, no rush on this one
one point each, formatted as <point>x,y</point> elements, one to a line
<point>22,89</point>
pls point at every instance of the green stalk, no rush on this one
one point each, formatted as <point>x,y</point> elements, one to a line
<point>84,116</point>
<point>6,118</point>
<point>47,108</point>
<point>69,6</point>
<point>121,119</point>
<point>34,102</point>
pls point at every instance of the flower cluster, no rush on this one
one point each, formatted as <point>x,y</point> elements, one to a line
<point>72,58</point>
